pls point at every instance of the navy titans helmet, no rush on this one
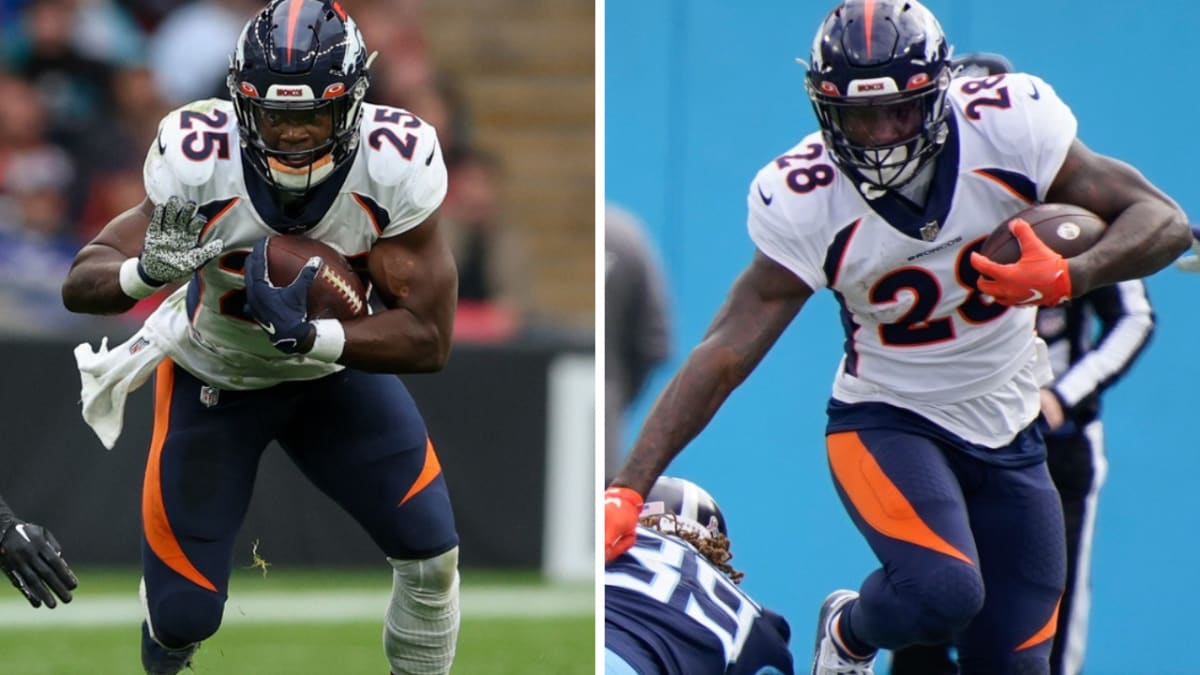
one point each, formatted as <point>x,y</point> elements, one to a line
<point>878,60</point>
<point>981,64</point>
<point>692,508</point>
<point>299,55</point>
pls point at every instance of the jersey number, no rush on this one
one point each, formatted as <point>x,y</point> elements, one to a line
<point>671,575</point>
<point>407,146</point>
<point>803,179</point>
<point>233,303</point>
<point>917,327</point>
<point>998,99</point>
<point>199,145</point>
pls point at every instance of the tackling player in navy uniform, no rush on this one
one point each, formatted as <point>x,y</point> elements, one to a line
<point>238,364</point>
<point>32,560</point>
<point>1092,341</point>
<point>671,603</point>
<point>931,438</point>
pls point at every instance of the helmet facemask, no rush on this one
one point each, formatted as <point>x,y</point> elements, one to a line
<point>296,171</point>
<point>849,122</point>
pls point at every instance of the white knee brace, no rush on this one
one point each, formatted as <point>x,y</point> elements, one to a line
<point>421,627</point>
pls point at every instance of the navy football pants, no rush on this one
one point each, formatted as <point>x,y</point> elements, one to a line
<point>971,553</point>
<point>357,436</point>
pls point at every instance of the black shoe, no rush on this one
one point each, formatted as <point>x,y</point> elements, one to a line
<point>159,660</point>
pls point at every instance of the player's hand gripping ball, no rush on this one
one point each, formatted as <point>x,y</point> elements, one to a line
<point>337,292</point>
<point>292,280</point>
<point>1024,260</point>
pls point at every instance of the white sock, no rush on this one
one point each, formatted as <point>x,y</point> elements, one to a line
<point>421,627</point>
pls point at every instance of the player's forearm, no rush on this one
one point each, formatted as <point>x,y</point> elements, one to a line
<point>683,409</point>
<point>1145,238</point>
<point>93,284</point>
<point>397,341</point>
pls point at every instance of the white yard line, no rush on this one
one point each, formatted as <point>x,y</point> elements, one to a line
<point>307,607</point>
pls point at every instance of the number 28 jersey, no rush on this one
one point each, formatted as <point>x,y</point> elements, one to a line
<point>918,335</point>
<point>396,179</point>
<point>668,611</point>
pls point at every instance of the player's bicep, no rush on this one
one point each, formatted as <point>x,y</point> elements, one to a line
<point>125,234</point>
<point>762,302</point>
<point>415,270</point>
<point>1101,184</point>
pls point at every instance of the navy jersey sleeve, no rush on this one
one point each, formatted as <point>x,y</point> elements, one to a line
<point>667,610</point>
<point>766,649</point>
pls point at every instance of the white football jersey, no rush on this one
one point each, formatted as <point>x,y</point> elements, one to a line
<point>396,179</point>
<point>918,334</point>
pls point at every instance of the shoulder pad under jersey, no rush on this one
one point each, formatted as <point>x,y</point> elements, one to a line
<point>193,143</point>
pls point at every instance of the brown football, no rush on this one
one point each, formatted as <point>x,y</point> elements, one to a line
<point>1067,229</point>
<point>336,292</point>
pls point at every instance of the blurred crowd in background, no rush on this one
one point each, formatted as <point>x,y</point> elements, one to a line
<point>83,85</point>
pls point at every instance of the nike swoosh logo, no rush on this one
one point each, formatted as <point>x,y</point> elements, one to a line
<point>269,327</point>
<point>766,200</point>
<point>162,149</point>
<point>1035,94</point>
<point>21,531</point>
<point>1034,296</point>
<point>429,159</point>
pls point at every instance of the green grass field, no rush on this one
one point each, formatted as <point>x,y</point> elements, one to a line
<point>305,623</point>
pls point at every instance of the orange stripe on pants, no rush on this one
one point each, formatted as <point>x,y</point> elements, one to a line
<point>429,471</point>
<point>1046,632</point>
<point>157,527</point>
<point>876,497</point>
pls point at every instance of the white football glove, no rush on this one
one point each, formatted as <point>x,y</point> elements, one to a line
<point>170,252</point>
<point>1191,263</point>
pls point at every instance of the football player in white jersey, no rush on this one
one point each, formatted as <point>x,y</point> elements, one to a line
<point>1092,341</point>
<point>238,363</point>
<point>931,438</point>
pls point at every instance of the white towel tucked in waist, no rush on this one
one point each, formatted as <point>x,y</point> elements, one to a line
<point>107,377</point>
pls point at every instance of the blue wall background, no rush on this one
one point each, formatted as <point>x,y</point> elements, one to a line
<point>699,94</point>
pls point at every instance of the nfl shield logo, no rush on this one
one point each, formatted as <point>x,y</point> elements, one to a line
<point>930,230</point>
<point>209,395</point>
<point>138,345</point>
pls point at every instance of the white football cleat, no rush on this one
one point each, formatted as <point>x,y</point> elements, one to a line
<point>828,659</point>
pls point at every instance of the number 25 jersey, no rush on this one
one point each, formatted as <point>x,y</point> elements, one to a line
<point>918,335</point>
<point>395,180</point>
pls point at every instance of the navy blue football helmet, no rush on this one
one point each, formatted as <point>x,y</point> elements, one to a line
<point>692,508</point>
<point>299,56</point>
<point>878,78</point>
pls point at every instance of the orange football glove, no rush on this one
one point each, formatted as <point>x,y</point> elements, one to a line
<point>622,506</point>
<point>1039,277</point>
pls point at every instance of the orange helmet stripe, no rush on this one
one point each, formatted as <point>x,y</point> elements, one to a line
<point>293,16</point>
<point>868,10</point>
